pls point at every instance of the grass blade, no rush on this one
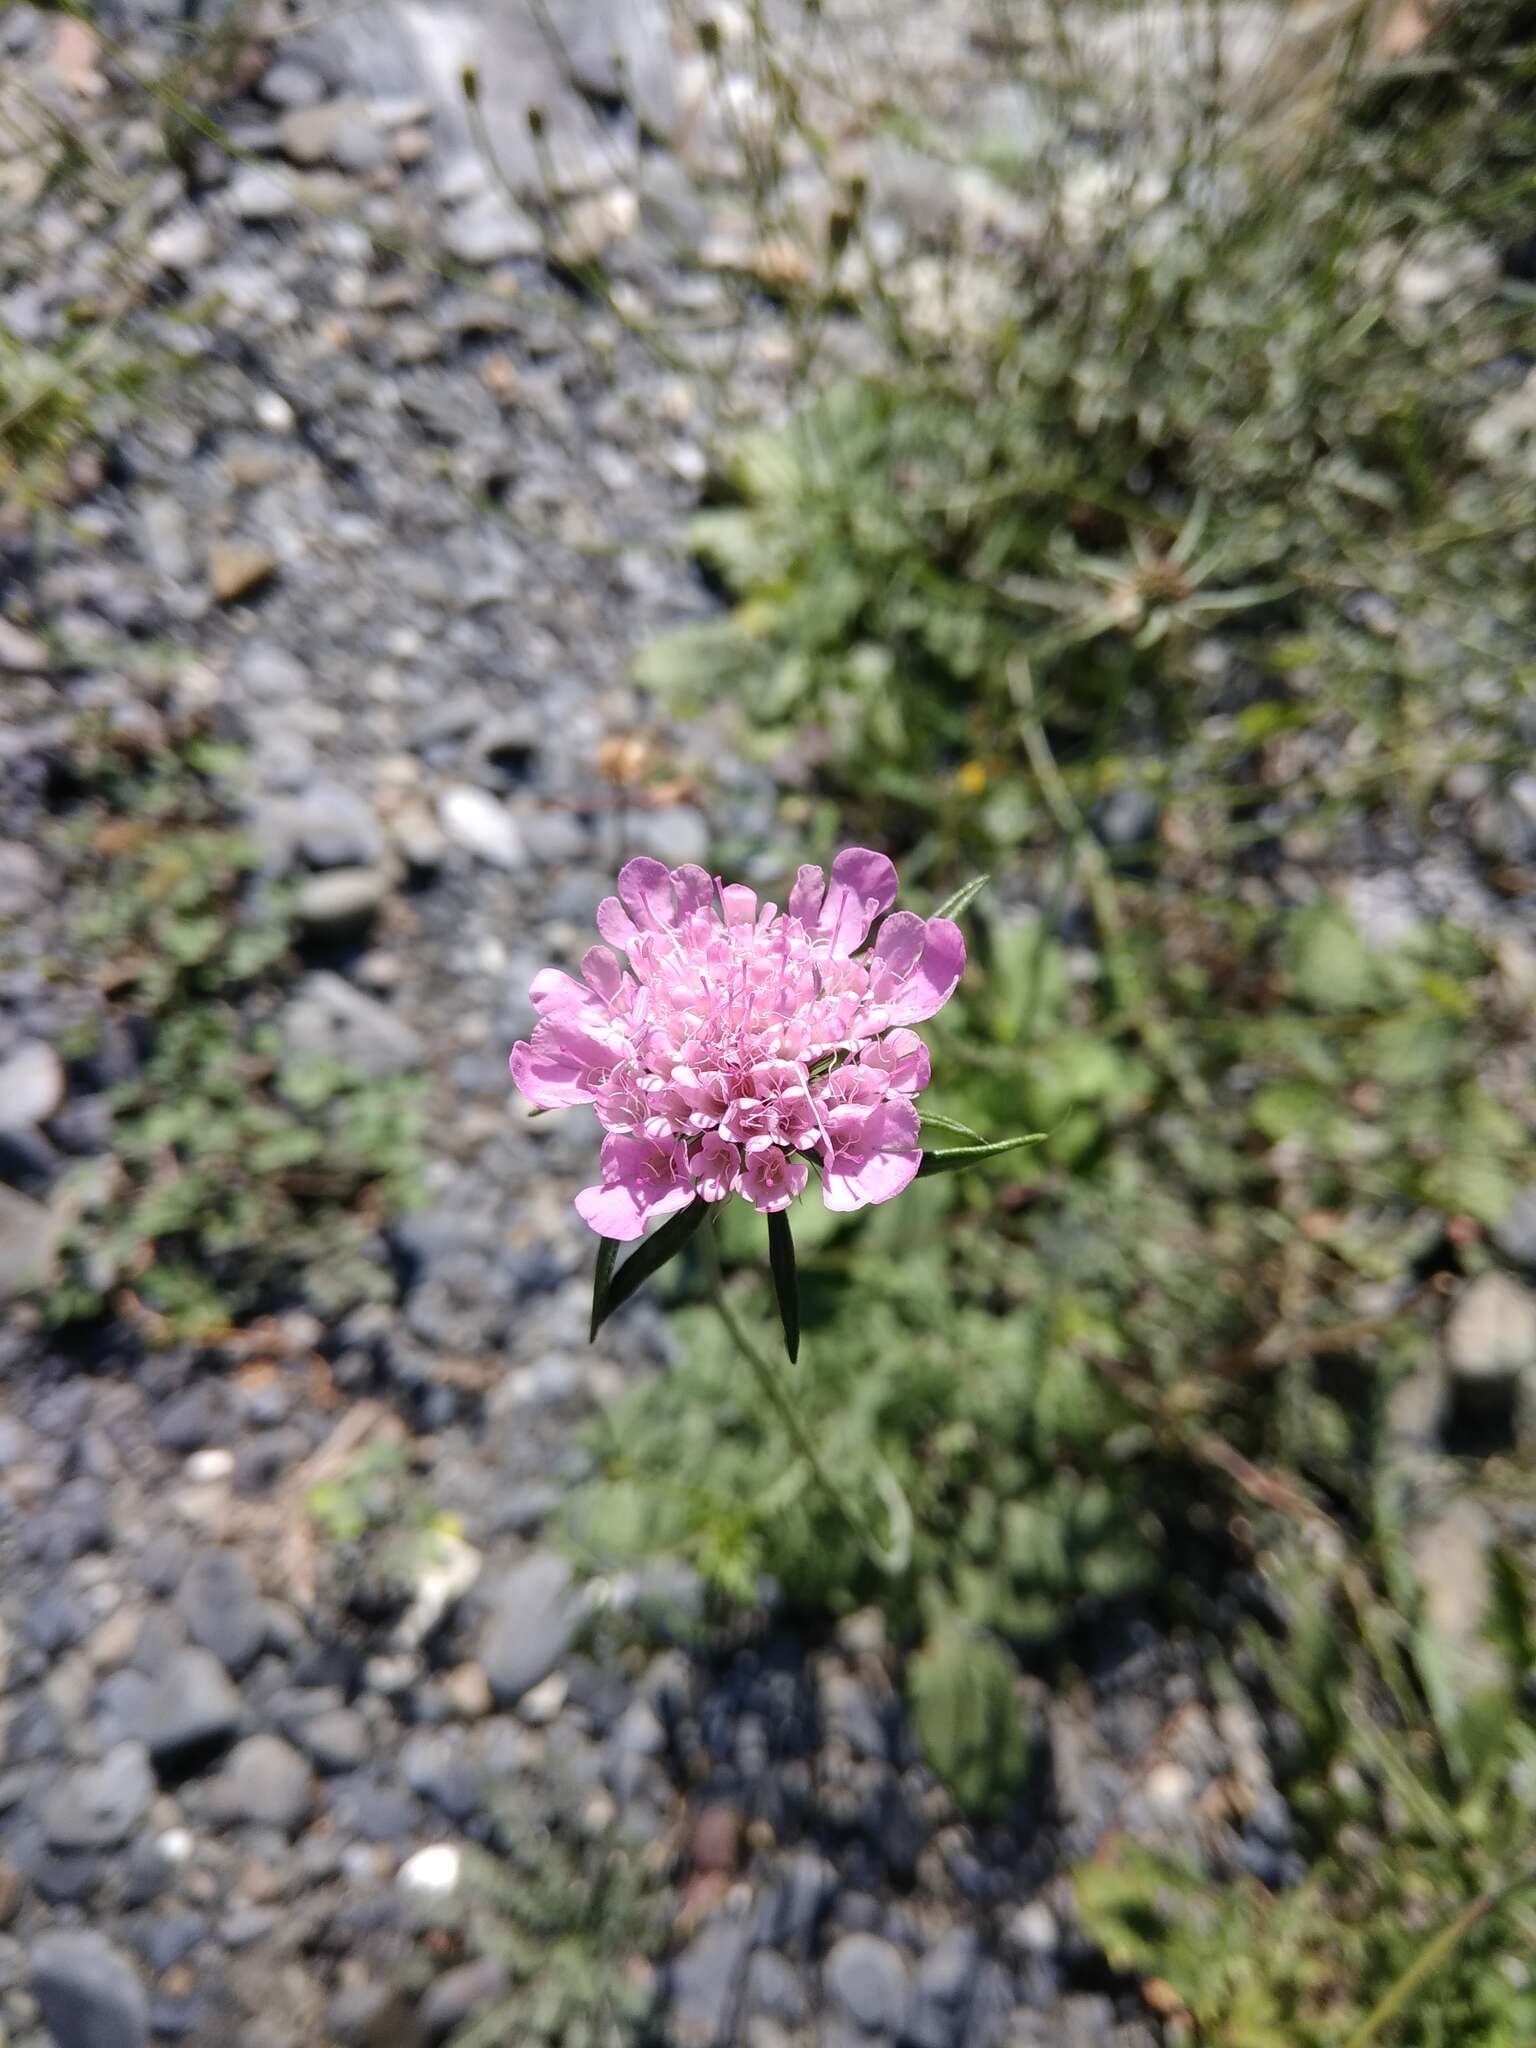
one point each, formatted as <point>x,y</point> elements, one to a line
<point>651,1255</point>
<point>953,1158</point>
<point>602,1278</point>
<point>786,1281</point>
<point>963,898</point>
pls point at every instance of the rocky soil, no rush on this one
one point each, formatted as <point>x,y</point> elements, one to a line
<point>396,518</point>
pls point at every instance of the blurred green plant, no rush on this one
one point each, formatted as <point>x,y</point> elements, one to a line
<point>1411,1924</point>
<point>575,1915</point>
<point>239,1173</point>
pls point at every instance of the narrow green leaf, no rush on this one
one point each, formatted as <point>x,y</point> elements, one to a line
<point>963,898</point>
<point>650,1256</point>
<point>786,1282</point>
<point>955,1128</point>
<point>602,1279</point>
<point>955,1157</point>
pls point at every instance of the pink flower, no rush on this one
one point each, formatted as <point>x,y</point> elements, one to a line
<point>734,1045</point>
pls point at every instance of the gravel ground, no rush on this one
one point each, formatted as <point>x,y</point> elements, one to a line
<point>401,515</point>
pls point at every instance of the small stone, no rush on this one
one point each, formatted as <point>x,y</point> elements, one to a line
<point>420,838</point>
<point>432,1872</point>
<point>414,341</point>
<point>308,134</point>
<point>1515,1232</point>
<point>1170,1790</point>
<point>337,1740</point>
<point>97,1806</point>
<point>865,1980</point>
<point>270,674</point>
<point>29,1240</point>
<point>210,1467</point>
<point>329,1019</point>
<point>192,1708</point>
<point>89,1992</point>
<point>459,1994</point>
<point>340,903</point>
<point>238,567</point>
<point>219,1603</point>
<point>21,653</point>
<point>705,1983</point>
<point>31,1085</point>
<point>530,1627</point>
<point>473,819</point>
<point>467,1691</point>
<point>489,229</point>
<point>1490,1343</point>
<point>22,880</point>
<point>334,827</point>
<point>270,1783</point>
<point>184,243</point>
<point>257,194</point>
<point>676,834</point>
<point>288,83</point>
<point>540,1705</point>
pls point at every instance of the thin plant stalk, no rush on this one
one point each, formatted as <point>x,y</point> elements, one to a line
<point>891,1558</point>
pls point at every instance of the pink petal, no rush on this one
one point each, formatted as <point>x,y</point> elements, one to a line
<point>553,1068</point>
<point>902,1058</point>
<point>738,902</point>
<point>879,1164</point>
<point>863,885</point>
<point>611,1212</point>
<point>805,897</point>
<point>645,889</point>
<point>695,890</point>
<point>916,971</point>
<point>552,992</point>
<point>601,972</point>
<point>616,924</point>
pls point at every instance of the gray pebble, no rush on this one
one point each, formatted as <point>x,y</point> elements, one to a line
<point>530,1627</point>
<point>97,1806</point>
<point>89,1992</point>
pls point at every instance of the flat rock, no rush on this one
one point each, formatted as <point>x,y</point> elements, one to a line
<point>22,653</point>
<point>706,1984</point>
<point>472,818</point>
<point>191,1708</point>
<point>238,567</point>
<point>490,229</point>
<point>257,194</point>
<point>530,1627</point>
<point>89,1992</point>
<point>218,1601</point>
<point>98,1806</point>
<point>330,1019</point>
<point>289,83</point>
<point>335,1740</point>
<point>1515,1232</point>
<point>267,1781</point>
<point>29,1240</point>
<point>184,243</point>
<point>31,1085</point>
<point>1490,1343</point>
<point>865,1980</point>
<point>341,902</point>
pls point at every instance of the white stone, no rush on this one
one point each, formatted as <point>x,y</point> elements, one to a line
<point>176,1845</point>
<point>31,1085</point>
<point>431,1873</point>
<point>207,1468</point>
<point>473,819</point>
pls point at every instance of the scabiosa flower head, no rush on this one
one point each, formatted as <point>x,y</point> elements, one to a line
<point>734,1045</point>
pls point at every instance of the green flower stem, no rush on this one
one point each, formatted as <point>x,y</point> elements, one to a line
<point>892,1558</point>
